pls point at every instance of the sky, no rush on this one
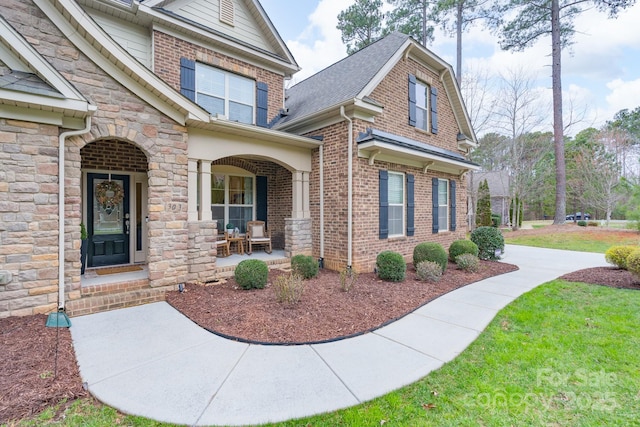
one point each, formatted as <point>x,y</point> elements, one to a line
<point>600,71</point>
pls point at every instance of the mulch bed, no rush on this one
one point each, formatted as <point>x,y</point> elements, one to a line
<point>324,312</point>
<point>30,380</point>
<point>606,276</point>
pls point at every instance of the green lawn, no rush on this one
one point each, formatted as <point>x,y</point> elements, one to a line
<point>586,240</point>
<point>562,354</point>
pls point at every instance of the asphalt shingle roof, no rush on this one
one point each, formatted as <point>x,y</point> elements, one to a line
<point>343,80</point>
<point>27,82</point>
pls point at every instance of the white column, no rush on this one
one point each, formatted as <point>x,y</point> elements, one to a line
<point>306,210</point>
<point>192,189</point>
<point>297,195</point>
<point>205,190</point>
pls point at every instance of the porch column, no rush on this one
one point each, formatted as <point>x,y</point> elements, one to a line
<point>300,196</point>
<point>205,190</point>
<point>192,189</point>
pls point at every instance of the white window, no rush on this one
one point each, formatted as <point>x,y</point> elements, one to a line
<point>396,204</point>
<point>422,105</point>
<point>232,199</point>
<point>220,92</point>
<point>443,204</point>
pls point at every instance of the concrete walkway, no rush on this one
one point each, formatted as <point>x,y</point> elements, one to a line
<point>154,362</point>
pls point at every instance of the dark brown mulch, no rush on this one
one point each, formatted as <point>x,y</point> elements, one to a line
<point>30,381</point>
<point>324,312</point>
<point>606,276</point>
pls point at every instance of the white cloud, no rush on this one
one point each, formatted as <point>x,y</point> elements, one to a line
<point>320,44</point>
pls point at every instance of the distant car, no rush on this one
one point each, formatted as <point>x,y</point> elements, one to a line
<point>578,217</point>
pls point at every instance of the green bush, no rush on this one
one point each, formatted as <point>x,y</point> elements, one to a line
<point>489,240</point>
<point>617,255</point>
<point>429,270</point>
<point>288,288</point>
<point>633,263</point>
<point>430,251</point>
<point>391,266</point>
<point>305,266</point>
<point>592,223</point>
<point>496,220</point>
<point>252,274</point>
<point>582,223</point>
<point>462,246</point>
<point>468,262</point>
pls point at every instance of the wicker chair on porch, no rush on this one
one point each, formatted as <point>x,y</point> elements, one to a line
<point>224,243</point>
<point>257,234</point>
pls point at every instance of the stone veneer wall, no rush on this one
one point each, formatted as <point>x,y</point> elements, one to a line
<point>31,177</point>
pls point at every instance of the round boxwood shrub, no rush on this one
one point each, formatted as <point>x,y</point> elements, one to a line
<point>582,223</point>
<point>430,251</point>
<point>462,246</point>
<point>305,266</point>
<point>633,263</point>
<point>488,239</point>
<point>252,274</point>
<point>617,255</point>
<point>391,266</point>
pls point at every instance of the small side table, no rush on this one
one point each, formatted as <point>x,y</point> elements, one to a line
<point>239,241</point>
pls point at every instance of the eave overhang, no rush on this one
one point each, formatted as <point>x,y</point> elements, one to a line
<point>382,146</point>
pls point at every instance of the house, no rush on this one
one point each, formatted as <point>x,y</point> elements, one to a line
<point>499,182</point>
<point>170,119</point>
<point>393,162</point>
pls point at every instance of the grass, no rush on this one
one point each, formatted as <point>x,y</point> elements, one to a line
<point>588,239</point>
<point>562,354</point>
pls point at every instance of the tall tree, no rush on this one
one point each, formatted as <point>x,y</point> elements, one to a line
<point>455,16</point>
<point>483,214</point>
<point>527,21</point>
<point>412,17</point>
<point>476,88</point>
<point>361,24</point>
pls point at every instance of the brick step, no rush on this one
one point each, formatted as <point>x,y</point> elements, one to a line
<point>117,298</point>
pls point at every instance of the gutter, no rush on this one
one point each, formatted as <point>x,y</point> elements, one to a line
<point>349,190</point>
<point>61,200</point>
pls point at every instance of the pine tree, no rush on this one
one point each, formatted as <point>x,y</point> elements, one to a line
<point>483,214</point>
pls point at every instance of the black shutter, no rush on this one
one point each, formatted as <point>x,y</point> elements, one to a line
<point>434,199</point>
<point>384,203</point>
<point>261,198</point>
<point>452,204</point>
<point>410,205</point>
<point>188,78</point>
<point>412,100</point>
<point>262,101</point>
<point>434,110</point>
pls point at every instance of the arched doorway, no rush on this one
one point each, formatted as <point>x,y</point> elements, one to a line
<point>114,207</point>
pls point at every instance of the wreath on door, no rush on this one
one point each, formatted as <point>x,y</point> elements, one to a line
<point>109,195</point>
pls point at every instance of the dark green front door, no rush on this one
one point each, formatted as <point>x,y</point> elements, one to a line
<point>108,219</point>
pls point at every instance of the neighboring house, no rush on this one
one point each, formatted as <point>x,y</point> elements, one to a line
<point>498,182</point>
<point>170,120</point>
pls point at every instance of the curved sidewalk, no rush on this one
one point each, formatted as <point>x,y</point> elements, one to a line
<point>152,361</point>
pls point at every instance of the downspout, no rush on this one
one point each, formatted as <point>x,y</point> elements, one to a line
<point>61,178</point>
<point>349,190</point>
<point>321,206</point>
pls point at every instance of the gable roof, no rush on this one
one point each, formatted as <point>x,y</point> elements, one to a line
<point>354,78</point>
<point>195,17</point>
<point>342,81</point>
<point>31,89</point>
<point>498,182</point>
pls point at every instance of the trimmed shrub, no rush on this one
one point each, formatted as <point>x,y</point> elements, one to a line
<point>488,239</point>
<point>391,266</point>
<point>430,251</point>
<point>288,288</point>
<point>252,274</point>
<point>305,266</point>
<point>496,220</point>
<point>633,263</point>
<point>617,255</point>
<point>592,224</point>
<point>582,223</point>
<point>468,262</point>
<point>429,270</point>
<point>462,246</point>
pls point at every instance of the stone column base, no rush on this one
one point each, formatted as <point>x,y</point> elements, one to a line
<point>297,237</point>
